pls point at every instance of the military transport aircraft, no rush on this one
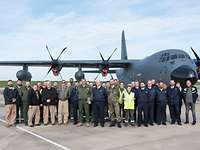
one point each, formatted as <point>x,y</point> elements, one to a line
<point>164,65</point>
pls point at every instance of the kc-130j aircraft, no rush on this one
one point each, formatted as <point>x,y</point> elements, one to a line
<point>164,65</point>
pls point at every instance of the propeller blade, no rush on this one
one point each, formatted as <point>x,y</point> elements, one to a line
<point>111,76</point>
<point>101,56</point>
<point>47,73</point>
<point>61,52</point>
<point>197,57</point>
<point>49,52</point>
<point>61,76</point>
<point>97,76</point>
<point>112,54</point>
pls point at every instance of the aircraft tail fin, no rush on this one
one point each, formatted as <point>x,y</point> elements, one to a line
<point>123,47</point>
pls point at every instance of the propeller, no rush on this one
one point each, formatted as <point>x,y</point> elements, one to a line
<point>61,76</point>
<point>102,58</point>
<point>197,57</point>
<point>105,63</point>
<point>55,62</point>
<point>197,62</point>
<point>49,52</point>
<point>112,54</point>
<point>61,52</point>
<point>97,76</point>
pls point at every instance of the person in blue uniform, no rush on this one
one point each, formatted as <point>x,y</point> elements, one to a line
<point>173,95</point>
<point>135,88</point>
<point>142,100</point>
<point>74,100</point>
<point>161,102</point>
<point>99,98</point>
<point>151,102</point>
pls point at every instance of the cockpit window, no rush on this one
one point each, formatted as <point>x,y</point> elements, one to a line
<point>187,56</point>
<point>166,57</point>
<point>173,57</point>
<point>181,56</point>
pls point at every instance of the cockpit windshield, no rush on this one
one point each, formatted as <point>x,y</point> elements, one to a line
<point>167,57</point>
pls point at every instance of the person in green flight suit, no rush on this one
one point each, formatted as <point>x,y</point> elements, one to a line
<point>24,89</point>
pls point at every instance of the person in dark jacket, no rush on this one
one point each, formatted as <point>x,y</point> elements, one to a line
<point>135,88</point>
<point>178,85</point>
<point>50,98</point>
<point>190,95</point>
<point>161,102</point>
<point>99,97</point>
<point>142,100</point>
<point>151,102</point>
<point>19,102</point>
<point>155,86</point>
<point>10,96</point>
<point>173,95</point>
<point>34,102</point>
<point>74,100</point>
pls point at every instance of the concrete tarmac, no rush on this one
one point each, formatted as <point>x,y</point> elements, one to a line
<point>89,138</point>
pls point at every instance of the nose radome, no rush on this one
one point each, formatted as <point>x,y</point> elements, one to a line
<point>183,73</point>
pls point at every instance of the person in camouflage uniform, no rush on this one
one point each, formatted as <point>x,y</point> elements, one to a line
<point>113,104</point>
<point>24,89</point>
<point>84,95</point>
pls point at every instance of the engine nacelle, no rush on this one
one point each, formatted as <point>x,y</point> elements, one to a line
<point>23,75</point>
<point>79,75</point>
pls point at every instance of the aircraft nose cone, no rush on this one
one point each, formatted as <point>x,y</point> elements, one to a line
<point>183,73</point>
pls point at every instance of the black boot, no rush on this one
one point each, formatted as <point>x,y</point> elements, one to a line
<point>119,125</point>
<point>194,122</point>
<point>112,124</point>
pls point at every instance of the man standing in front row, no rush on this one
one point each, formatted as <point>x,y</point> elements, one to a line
<point>19,102</point>
<point>113,104</point>
<point>173,95</point>
<point>190,95</point>
<point>34,102</point>
<point>84,94</point>
<point>99,96</point>
<point>151,102</point>
<point>63,105</point>
<point>10,95</point>
<point>161,103</point>
<point>50,98</point>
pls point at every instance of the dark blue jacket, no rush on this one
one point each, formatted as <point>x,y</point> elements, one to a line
<point>99,95</point>
<point>151,94</point>
<point>135,90</point>
<point>74,95</point>
<point>173,95</point>
<point>161,96</point>
<point>49,94</point>
<point>33,99</point>
<point>142,96</point>
<point>9,94</point>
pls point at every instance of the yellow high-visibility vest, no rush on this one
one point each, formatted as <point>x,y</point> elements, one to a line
<point>121,95</point>
<point>129,102</point>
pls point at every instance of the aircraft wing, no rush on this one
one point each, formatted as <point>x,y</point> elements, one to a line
<point>97,71</point>
<point>96,63</point>
<point>28,63</point>
<point>69,63</point>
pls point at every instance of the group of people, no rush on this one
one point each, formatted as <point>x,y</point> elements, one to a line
<point>86,103</point>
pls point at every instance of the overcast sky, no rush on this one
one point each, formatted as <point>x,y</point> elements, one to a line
<point>83,25</point>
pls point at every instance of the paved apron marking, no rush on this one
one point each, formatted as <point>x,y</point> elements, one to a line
<point>40,137</point>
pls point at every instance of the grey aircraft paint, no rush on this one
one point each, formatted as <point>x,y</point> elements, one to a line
<point>159,66</point>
